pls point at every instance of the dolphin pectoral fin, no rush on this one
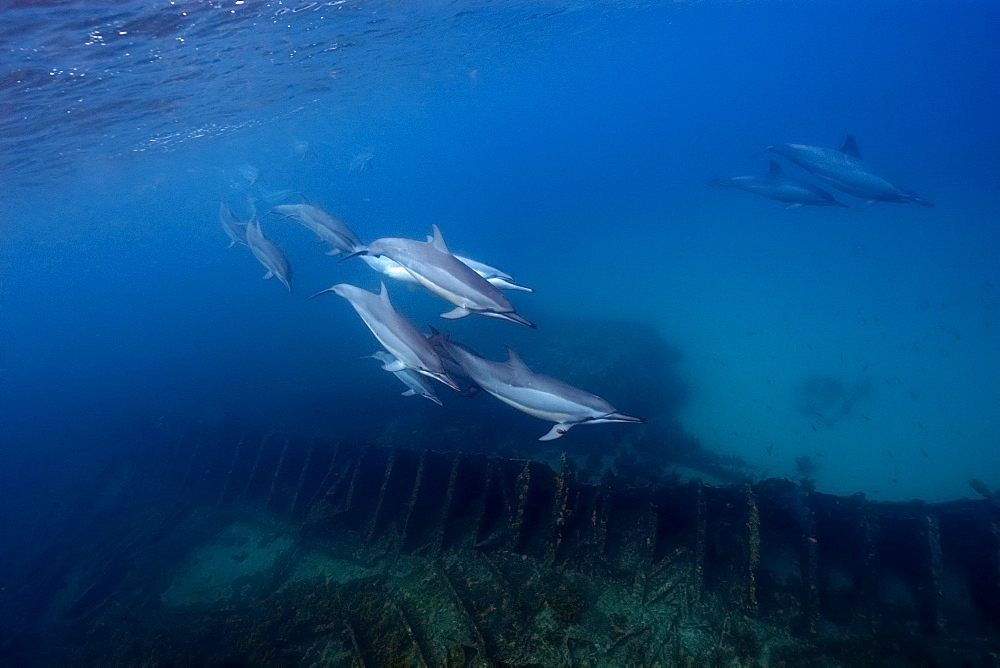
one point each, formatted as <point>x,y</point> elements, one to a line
<point>456,313</point>
<point>268,275</point>
<point>557,431</point>
<point>796,205</point>
<point>333,251</point>
<point>394,366</point>
<point>231,244</point>
<point>408,393</point>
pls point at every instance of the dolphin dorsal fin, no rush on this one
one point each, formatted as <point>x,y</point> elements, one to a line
<point>775,169</point>
<point>850,147</point>
<point>437,240</point>
<point>383,294</point>
<point>514,360</point>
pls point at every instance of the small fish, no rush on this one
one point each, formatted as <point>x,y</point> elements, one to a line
<point>980,487</point>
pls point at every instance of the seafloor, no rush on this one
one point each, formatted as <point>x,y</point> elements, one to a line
<point>232,545</point>
<point>345,554</point>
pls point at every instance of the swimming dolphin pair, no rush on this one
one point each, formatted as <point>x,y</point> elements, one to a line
<point>544,397</point>
<point>432,265</point>
<point>494,276</point>
<point>845,171</point>
<point>779,186</point>
<point>398,335</point>
<point>343,240</point>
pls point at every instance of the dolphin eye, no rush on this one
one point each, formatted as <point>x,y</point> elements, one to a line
<point>562,431</point>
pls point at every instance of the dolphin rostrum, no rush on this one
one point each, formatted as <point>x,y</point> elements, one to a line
<point>235,230</point>
<point>417,383</point>
<point>779,186</point>
<point>397,333</point>
<point>845,171</point>
<point>513,383</point>
<point>269,254</point>
<point>329,229</point>
<point>434,267</point>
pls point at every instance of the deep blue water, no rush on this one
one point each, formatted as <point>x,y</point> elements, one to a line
<point>567,143</point>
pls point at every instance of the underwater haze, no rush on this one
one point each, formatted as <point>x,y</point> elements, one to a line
<point>570,144</point>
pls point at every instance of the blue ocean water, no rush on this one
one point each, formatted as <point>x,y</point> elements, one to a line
<point>570,144</point>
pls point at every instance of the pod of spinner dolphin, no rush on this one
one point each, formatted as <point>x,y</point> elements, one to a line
<point>470,286</point>
<point>841,169</point>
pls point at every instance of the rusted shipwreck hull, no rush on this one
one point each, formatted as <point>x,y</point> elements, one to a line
<point>528,563</point>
